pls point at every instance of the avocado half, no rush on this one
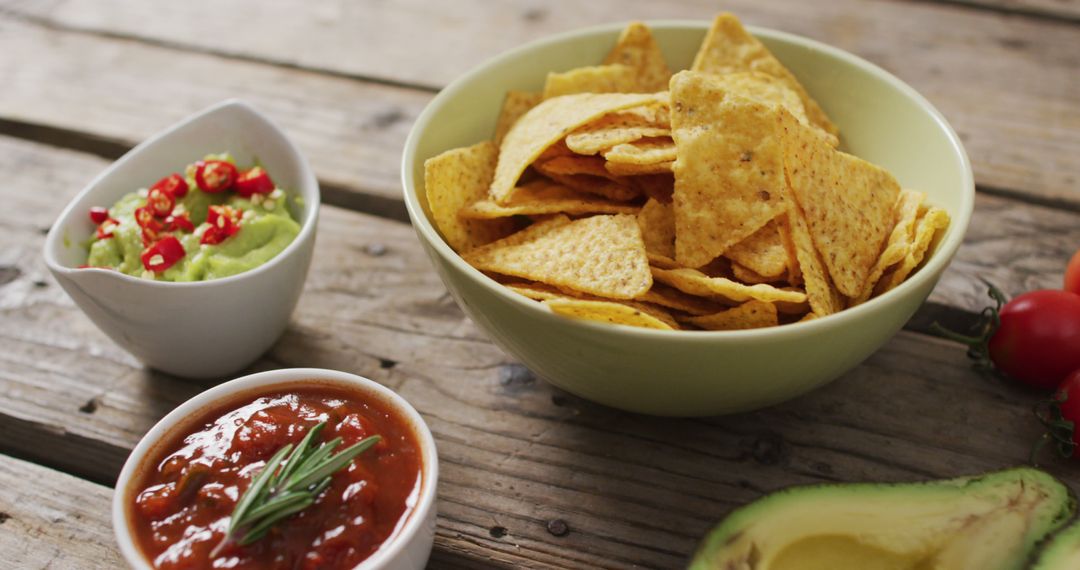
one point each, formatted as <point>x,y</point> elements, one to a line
<point>1062,552</point>
<point>987,522</point>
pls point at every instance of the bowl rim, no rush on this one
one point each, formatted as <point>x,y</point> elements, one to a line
<point>308,190</point>
<point>929,270</point>
<point>262,381</point>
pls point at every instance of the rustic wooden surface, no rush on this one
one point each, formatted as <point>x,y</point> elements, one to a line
<point>84,81</point>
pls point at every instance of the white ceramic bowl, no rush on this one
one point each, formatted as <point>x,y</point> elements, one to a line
<point>202,329</point>
<point>409,549</point>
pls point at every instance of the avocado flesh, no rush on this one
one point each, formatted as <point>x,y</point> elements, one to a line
<point>978,523</point>
<point>1062,552</point>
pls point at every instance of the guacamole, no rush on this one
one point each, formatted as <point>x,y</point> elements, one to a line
<point>212,222</point>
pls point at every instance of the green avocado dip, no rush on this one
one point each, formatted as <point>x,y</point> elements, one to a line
<point>211,222</point>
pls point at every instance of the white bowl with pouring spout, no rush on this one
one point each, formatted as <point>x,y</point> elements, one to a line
<point>201,329</point>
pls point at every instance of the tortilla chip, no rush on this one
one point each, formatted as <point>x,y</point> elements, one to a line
<point>458,177</point>
<point>601,255</point>
<point>545,197</point>
<point>697,283</point>
<point>900,240</point>
<point>765,88</point>
<point>746,275</point>
<point>516,104</point>
<point>657,222</point>
<point>637,49</point>
<point>762,252</point>
<point>729,182</point>
<point>575,164</point>
<point>749,315</point>
<point>729,48</point>
<point>823,298</point>
<point>610,312</point>
<point>643,151</point>
<point>618,128</point>
<point>623,169</point>
<point>928,225</point>
<point>662,261</point>
<point>674,299</point>
<point>593,79</point>
<point>545,125</point>
<point>847,202</point>
<point>536,291</point>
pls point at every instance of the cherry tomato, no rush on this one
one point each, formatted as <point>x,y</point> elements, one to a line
<point>1061,418</point>
<point>1038,340</point>
<point>1072,274</point>
<point>179,223</point>
<point>1068,398</point>
<point>173,184</point>
<point>222,220</point>
<point>98,214</point>
<point>105,230</point>
<point>163,254</point>
<point>160,202</point>
<point>254,181</point>
<point>214,176</point>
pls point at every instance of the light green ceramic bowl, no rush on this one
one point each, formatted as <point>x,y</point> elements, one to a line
<point>684,373</point>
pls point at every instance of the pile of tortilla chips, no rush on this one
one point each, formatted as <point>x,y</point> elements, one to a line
<point>720,203</point>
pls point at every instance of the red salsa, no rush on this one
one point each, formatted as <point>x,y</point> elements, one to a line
<point>182,501</point>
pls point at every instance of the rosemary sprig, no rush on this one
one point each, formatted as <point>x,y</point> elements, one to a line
<point>288,484</point>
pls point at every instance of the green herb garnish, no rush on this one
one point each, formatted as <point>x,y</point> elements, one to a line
<point>288,485</point>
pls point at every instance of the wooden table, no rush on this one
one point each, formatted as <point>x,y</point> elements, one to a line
<point>531,476</point>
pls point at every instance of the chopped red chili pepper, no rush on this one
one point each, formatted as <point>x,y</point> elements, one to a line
<point>144,216</point>
<point>254,181</point>
<point>98,214</point>
<point>163,254</point>
<point>160,202</point>
<point>214,176</point>
<point>179,223</point>
<point>105,230</point>
<point>223,225</point>
<point>174,184</point>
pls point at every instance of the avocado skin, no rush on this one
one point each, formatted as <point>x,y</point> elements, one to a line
<point>710,554</point>
<point>1062,551</point>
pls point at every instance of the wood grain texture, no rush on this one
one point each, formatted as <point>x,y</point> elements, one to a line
<point>515,452</point>
<point>58,521</point>
<point>352,132</point>
<point>1068,10</point>
<point>1007,83</point>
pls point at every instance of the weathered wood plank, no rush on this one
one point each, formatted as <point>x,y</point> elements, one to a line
<point>1068,10</point>
<point>516,453</point>
<point>49,519</point>
<point>120,92</point>
<point>1007,83</point>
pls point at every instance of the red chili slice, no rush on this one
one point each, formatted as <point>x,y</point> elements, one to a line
<point>163,254</point>
<point>174,184</point>
<point>179,223</point>
<point>98,214</point>
<point>222,220</point>
<point>161,202</point>
<point>214,176</point>
<point>254,181</point>
<point>105,230</point>
<point>144,216</point>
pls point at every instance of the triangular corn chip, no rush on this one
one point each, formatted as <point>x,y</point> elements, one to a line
<point>762,252</point>
<point>637,49</point>
<point>729,48</point>
<point>592,79</point>
<point>749,315</point>
<point>900,240</point>
<point>643,151</point>
<point>601,255</point>
<point>545,197</point>
<point>637,315</point>
<point>729,180</point>
<point>547,124</point>
<point>454,179</point>
<point>657,222</point>
<point>697,283</point>
<point>928,226</point>
<point>516,104</point>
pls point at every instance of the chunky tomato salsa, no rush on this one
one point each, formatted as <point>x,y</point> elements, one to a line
<point>182,503</point>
